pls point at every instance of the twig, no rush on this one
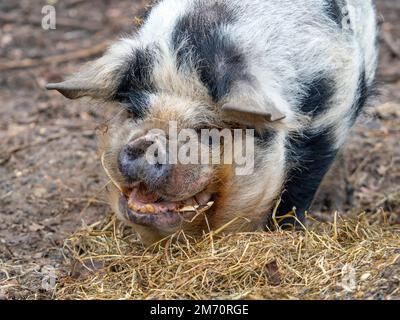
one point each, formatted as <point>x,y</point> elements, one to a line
<point>7,154</point>
<point>56,59</point>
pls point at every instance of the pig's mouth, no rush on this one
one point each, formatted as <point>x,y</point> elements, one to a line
<point>143,207</point>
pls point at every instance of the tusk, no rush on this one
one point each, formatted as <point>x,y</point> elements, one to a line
<point>198,209</point>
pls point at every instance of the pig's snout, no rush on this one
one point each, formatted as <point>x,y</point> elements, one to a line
<point>139,161</point>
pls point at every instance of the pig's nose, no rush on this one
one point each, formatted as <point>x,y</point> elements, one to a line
<point>136,165</point>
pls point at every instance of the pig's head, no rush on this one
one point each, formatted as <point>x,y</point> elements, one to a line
<point>159,185</point>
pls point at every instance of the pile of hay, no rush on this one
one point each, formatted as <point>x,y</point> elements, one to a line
<point>352,258</point>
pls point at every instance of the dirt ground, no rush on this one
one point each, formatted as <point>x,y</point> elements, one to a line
<point>50,174</point>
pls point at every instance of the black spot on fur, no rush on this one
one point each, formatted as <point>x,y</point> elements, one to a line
<point>334,11</point>
<point>363,93</point>
<point>318,94</point>
<point>137,102</point>
<point>198,40</point>
<point>136,84</point>
<point>309,158</point>
<point>265,137</point>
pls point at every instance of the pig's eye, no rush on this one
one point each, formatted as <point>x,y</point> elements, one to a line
<point>267,135</point>
<point>136,103</point>
<point>135,111</point>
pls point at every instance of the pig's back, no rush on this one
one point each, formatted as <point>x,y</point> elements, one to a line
<point>292,47</point>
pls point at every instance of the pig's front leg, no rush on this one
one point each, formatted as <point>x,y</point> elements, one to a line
<point>309,157</point>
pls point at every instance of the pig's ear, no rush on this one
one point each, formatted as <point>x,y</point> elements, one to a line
<point>96,79</point>
<point>245,104</point>
<point>75,89</point>
<point>252,112</point>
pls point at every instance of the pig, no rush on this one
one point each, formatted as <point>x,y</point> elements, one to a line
<point>293,74</point>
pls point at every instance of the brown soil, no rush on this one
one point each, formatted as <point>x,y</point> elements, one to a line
<point>50,174</point>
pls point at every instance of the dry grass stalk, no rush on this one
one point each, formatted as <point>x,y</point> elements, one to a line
<point>344,259</point>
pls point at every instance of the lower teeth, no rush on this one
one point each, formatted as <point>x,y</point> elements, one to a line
<point>149,209</point>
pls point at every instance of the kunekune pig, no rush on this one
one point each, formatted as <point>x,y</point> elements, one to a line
<point>298,72</point>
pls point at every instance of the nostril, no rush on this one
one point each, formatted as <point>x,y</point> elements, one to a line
<point>158,166</point>
<point>136,150</point>
<point>136,167</point>
<point>126,159</point>
<point>132,153</point>
<point>157,173</point>
<point>131,158</point>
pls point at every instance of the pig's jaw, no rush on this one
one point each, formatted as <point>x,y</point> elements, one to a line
<point>143,201</point>
<point>148,209</point>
